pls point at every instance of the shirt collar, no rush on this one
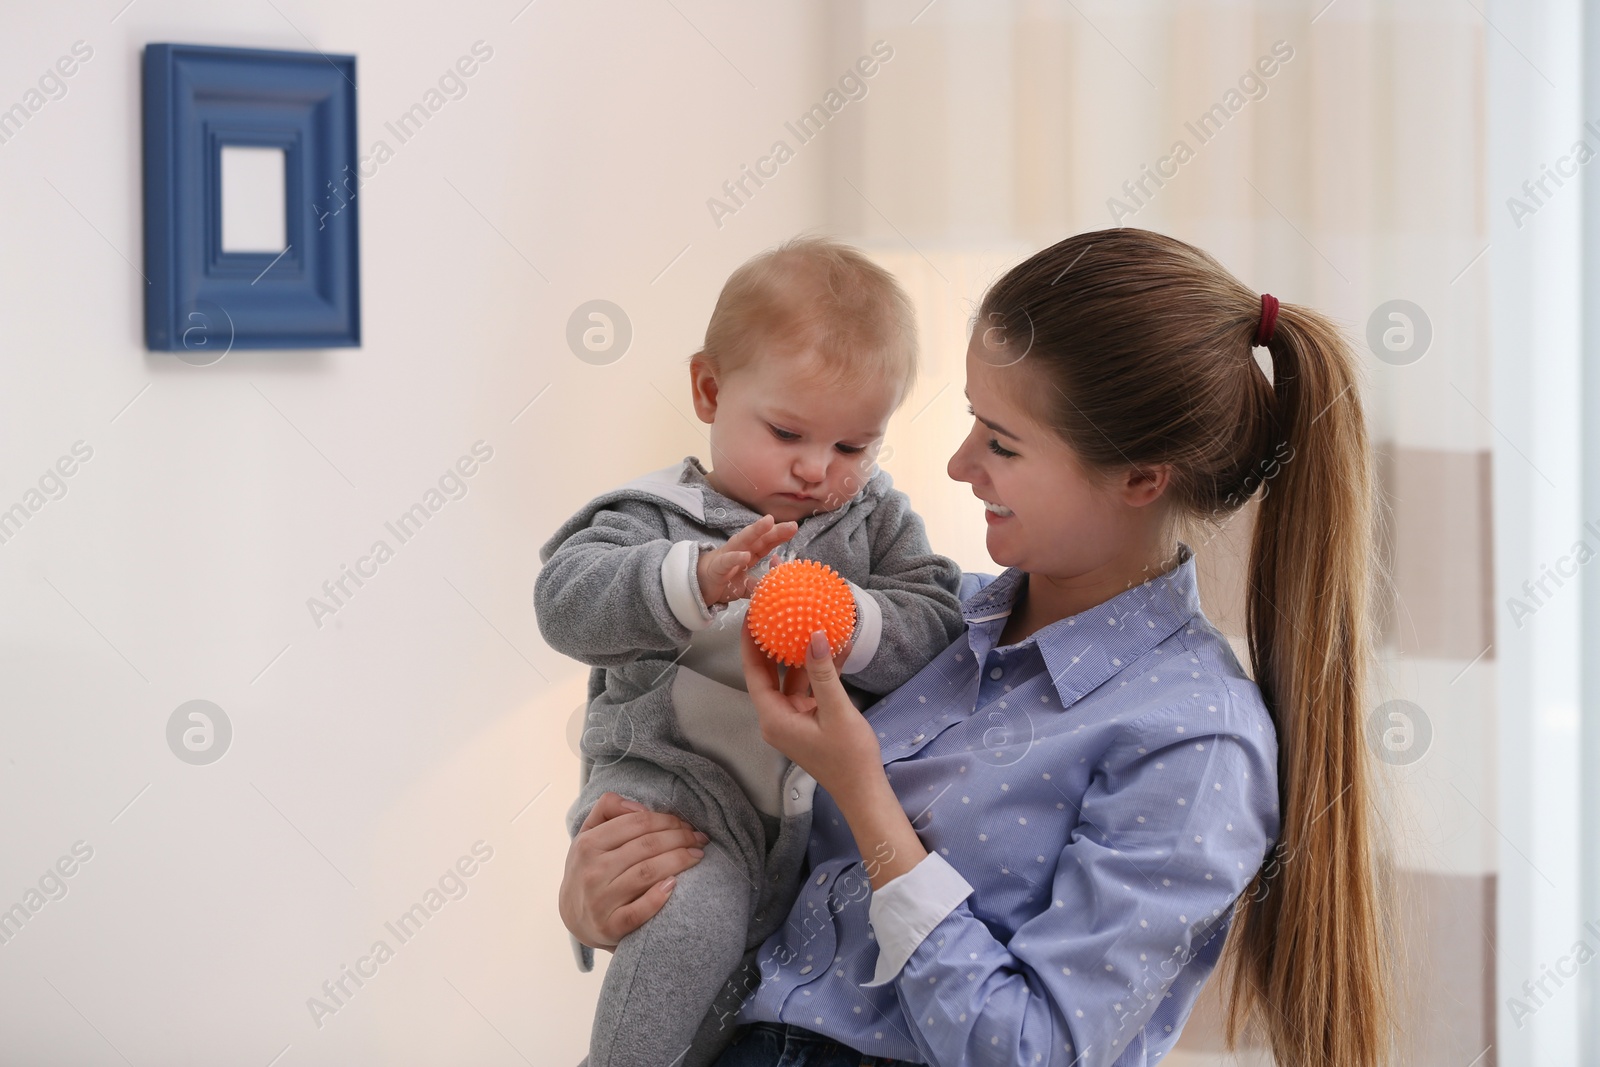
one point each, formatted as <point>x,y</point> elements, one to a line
<point>994,600</point>
<point>1083,650</point>
<point>720,511</point>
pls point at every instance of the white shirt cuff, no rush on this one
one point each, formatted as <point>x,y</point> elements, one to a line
<point>681,582</point>
<point>906,910</point>
<point>582,953</point>
<point>869,631</point>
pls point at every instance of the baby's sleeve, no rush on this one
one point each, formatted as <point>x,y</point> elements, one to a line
<point>908,606</point>
<point>602,596</point>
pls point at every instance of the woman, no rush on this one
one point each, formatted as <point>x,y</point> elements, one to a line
<point>1066,815</point>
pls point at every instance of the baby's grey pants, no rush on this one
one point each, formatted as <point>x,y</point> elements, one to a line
<point>659,1003</point>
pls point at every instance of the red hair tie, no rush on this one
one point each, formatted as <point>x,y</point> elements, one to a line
<point>1269,319</point>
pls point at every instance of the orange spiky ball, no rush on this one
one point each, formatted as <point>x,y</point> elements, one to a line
<point>795,599</point>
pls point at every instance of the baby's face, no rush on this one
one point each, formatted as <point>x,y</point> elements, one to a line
<point>784,445</point>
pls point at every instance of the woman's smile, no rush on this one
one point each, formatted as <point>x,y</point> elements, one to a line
<point>994,513</point>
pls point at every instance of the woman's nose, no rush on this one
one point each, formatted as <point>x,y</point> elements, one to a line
<point>958,466</point>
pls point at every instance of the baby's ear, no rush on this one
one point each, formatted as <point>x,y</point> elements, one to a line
<point>704,387</point>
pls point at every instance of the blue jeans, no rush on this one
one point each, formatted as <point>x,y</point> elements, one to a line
<point>787,1045</point>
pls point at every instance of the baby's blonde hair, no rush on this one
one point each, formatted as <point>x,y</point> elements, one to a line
<point>819,295</point>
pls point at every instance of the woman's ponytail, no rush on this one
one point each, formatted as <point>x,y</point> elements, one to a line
<point>1310,967</point>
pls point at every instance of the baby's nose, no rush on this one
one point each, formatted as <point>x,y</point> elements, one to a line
<point>811,468</point>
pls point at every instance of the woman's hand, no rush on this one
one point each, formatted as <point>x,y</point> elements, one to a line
<point>621,868</point>
<point>813,722</point>
<point>820,729</point>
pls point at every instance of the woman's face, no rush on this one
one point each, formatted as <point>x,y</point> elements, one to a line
<point>1047,513</point>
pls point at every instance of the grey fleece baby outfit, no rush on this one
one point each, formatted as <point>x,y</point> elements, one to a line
<point>670,725</point>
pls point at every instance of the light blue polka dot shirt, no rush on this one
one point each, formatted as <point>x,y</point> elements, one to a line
<point>1093,799</point>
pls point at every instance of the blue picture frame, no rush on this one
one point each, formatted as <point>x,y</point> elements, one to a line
<point>198,99</point>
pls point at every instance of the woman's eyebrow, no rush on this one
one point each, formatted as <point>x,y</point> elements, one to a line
<point>1001,430</point>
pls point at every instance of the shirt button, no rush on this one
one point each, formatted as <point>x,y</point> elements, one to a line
<point>823,877</point>
<point>995,672</point>
<point>806,969</point>
<point>919,737</point>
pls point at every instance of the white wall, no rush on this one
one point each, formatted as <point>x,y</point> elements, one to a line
<point>372,752</point>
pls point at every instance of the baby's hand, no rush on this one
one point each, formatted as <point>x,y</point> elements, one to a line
<point>724,571</point>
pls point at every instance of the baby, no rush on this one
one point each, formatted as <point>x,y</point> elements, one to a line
<point>810,349</point>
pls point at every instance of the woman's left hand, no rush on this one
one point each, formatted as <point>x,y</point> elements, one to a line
<point>816,726</point>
